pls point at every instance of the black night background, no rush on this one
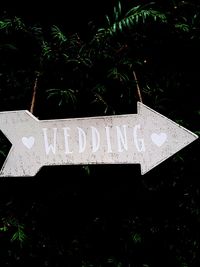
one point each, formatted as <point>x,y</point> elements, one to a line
<point>80,59</point>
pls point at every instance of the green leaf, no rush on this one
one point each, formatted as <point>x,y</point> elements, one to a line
<point>58,34</point>
<point>108,20</point>
<point>19,24</point>
<point>182,26</point>
<point>46,50</point>
<point>136,237</point>
<point>63,96</point>
<point>4,228</point>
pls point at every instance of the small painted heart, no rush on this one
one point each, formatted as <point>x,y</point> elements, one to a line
<point>159,139</point>
<point>28,141</point>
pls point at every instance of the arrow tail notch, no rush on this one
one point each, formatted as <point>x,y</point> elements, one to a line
<point>12,124</point>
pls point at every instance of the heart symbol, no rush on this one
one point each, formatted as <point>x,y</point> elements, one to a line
<point>28,141</point>
<point>158,139</point>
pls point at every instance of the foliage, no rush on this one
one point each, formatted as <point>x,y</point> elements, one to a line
<point>104,215</point>
<point>74,66</point>
<point>18,233</point>
<point>137,14</point>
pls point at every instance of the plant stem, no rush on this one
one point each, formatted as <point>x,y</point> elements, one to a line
<point>34,93</point>
<point>138,88</point>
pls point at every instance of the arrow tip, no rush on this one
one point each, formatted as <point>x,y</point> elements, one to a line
<point>163,137</point>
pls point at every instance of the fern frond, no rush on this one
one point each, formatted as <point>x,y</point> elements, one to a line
<point>115,74</point>
<point>58,34</point>
<point>19,229</point>
<point>63,96</point>
<point>46,50</point>
<point>117,11</point>
<point>16,23</point>
<point>182,26</point>
<point>5,24</point>
<point>100,99</point>
<point>136,15</point>
<point>140,16</point>
<point>19,24</point>
<point>19,235</point>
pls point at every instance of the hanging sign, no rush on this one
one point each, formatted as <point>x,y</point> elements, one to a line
<point>146,138</point>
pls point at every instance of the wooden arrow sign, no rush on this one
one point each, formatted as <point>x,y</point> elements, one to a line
<point>146,138</point>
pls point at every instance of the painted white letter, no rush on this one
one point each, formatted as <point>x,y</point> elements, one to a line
<point>48,146</point>
<point>95,139</point>
<point>122,138</point>
<point>108,139</point>
<point>81,140</point>
<point>66,135</point>
<point>139,142</point>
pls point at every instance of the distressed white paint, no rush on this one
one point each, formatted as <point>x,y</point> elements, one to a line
<point>146,138</point>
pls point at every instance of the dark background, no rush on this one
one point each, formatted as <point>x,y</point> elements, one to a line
<point>106,215</point>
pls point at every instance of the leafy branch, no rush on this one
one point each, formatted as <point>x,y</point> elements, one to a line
<point>134,16</point>
<point>64,96</point>
<point>13,224</point>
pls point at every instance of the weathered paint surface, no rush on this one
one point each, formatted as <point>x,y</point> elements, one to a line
<point>146,138</point>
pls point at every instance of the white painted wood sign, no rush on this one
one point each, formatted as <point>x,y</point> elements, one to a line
<point>146,138</point>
